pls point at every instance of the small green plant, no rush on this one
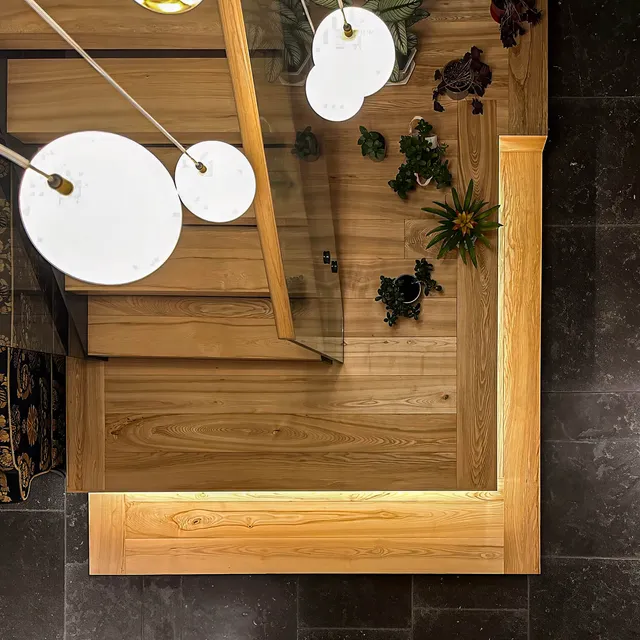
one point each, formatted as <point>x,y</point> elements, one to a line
<point>462,225</point>
<point>391,295</point>
<point>422,159</point>
<point>306,147</point>
<point>423,271</point>
<point>372,144</point>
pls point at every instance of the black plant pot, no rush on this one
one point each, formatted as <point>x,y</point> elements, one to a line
<point>410,287</point>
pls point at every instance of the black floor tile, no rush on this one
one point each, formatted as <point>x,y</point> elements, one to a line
<point>470,592</point>
<point>355,601</point>
<point>46,494</point>
<point>102,607</point>
<point>161,608</point>
<point>590,416</point>
<point>593,46</point>
<point>590,171</point>
<point>243,607</point>
<point>354,634</point>
<point>577,599</point>
<point>32,575</point>
<point>590,340</point>
<point>591,498</point>
<point>77,527</point>
<point>447,624</point>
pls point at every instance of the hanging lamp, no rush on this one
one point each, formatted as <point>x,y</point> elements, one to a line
<point>169,7</point>
<point>198,189</point>
<point>354,55</point>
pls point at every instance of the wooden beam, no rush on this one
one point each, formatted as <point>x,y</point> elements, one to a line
<point>244,89</point>
<point>519,347</point>
<point>85,425</point>
<point>106,545</point>
<point>477,311</point>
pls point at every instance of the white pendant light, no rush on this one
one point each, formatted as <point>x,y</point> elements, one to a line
<point>169,7</point>
<point>123,218</point>
<point>365,60</point>
<point>333,101</point>
<point>225,190</point>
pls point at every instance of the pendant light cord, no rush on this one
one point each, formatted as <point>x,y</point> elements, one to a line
<point>348,30</point>
<point>55,181</point>
<point>65,36</point>
<point>306,13</point>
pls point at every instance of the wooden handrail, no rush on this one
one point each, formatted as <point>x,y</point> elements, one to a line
<point>235,37</point>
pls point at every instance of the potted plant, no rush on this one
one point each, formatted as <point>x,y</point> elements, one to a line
<point>510,15</point>
<point>399,16</point>
<point>285,27</point>
<point>424,160</point>
<point>400,295</point>
<point>372,144</point>
<point>462,225</point>
<point>306,147</point>
<point>461,77</point>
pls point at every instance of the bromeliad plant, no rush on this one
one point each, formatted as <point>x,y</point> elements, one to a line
<point>399,16</point>
<point>423,160</point>
<point>372,144</point>
<point>462,225</point>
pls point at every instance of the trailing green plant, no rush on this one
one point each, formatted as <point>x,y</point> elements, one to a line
<point>282,26</point>
<point>390,294</point>
<point>372,144</point>
<point>462,225</point>
<point>306,147</point>
<point>421,159</point>
<point>399,16</point>
<point>423,271</point>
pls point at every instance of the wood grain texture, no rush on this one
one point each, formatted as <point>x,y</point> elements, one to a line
<point>85,425</point>
<point>244,90</point>
<point>180,327</point>
<point>528,80</point>
<point>192,97</point>
<point>477,311</point>
<point>519,355</point>
<point>116,24</point>
<point>107,540</point>
<point>365,532</point>
<point>208,261</point>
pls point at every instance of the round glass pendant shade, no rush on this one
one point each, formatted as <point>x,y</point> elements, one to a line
<point>121,222</point>
<point>329,98</point>
<point>364,61</point>
<point>169,6</point>
<point>227,188</point>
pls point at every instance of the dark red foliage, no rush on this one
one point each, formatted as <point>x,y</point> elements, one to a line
<point>515,13</point>
<point>477,107</point>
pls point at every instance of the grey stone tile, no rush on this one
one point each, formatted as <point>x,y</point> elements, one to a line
<point>590,172</point>
<point>161,607</point>
<point>470,592</point>
<point>354,634</point>
<point>577,599</point>
<point>590,416</point>
<point>32,575</point>
<point>77,527</point>
<point>591,498</point>
<point>592,48</point>
<point>242,607</point>
<point>448,624</point>
<point>355,601</point>
<point>591,310</point>
<point>46,494</point>
<point>102,607</point>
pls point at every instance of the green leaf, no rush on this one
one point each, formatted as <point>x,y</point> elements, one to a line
<point>447,207</point>
<point>371,5</point>
<point>399,34</point>
<point>363,130</point>
<point>418,15</point>
<point>456,199</point>
<point>412,40</point>
<point>477,205</point>
<point>395,74</point>
<point>488,212</point>
<point>375,135</point>
<point>484,240</point>
<point>472,251</point>
<point>486,226</point>
<point>463,253</point>
<point>293,50</point>
<point>437,238</point>
<point>392,11</point>
<point>273,67</point>
<point>330,4</point>
<point>467,198</point>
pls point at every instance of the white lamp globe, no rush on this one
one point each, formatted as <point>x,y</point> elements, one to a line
<point>365,60</point>
<point>329,100</point>
<point>225,190</point>
<point>121,222</point>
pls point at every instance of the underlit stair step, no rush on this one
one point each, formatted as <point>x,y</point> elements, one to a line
<point>176,327</point>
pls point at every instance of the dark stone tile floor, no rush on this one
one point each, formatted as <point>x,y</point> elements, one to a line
<point>590,584</point>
